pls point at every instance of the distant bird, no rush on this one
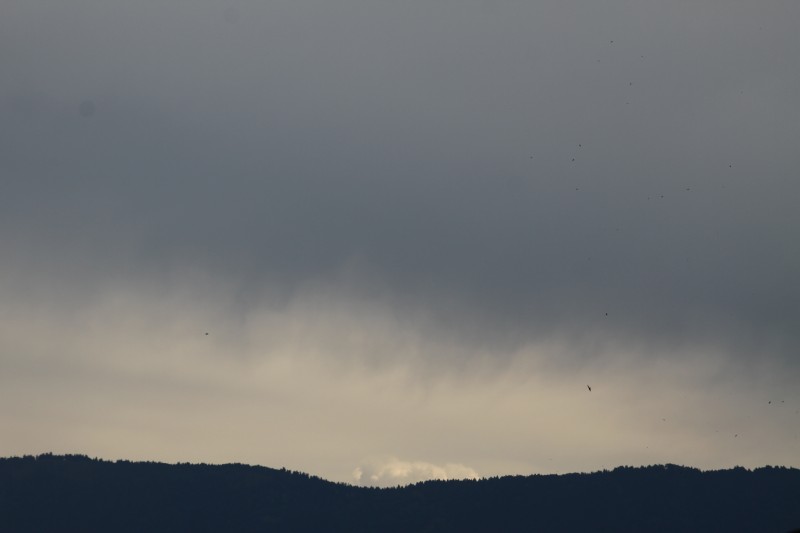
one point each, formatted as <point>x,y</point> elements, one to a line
<point>206,333</point>
<point>588,387</point>
<point>769,401</point>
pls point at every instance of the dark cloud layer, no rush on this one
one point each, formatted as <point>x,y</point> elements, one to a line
<point>414,231</point>
<point>539,169</point>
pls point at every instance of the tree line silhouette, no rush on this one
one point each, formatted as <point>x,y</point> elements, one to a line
<point>76,493</point>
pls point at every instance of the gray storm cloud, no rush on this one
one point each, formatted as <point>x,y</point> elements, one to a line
<point>329,383</point>
<point>457,185</point>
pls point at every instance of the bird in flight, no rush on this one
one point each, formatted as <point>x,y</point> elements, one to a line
<point>588,387</point>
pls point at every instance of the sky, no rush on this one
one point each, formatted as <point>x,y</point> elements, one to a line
<point>381,242</point>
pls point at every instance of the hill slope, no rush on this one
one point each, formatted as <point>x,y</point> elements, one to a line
<point>75,493</point>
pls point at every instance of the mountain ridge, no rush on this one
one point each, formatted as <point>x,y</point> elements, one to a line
<point>77,493</point>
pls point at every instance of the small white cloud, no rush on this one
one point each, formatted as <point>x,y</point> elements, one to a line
<point>391,471</point>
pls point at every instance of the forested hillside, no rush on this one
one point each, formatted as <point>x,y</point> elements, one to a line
<point>76,493</point>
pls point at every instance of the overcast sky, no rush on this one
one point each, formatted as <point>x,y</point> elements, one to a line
<point>415,233</point>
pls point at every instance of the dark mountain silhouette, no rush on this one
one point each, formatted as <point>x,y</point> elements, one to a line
<point>76,493</point>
